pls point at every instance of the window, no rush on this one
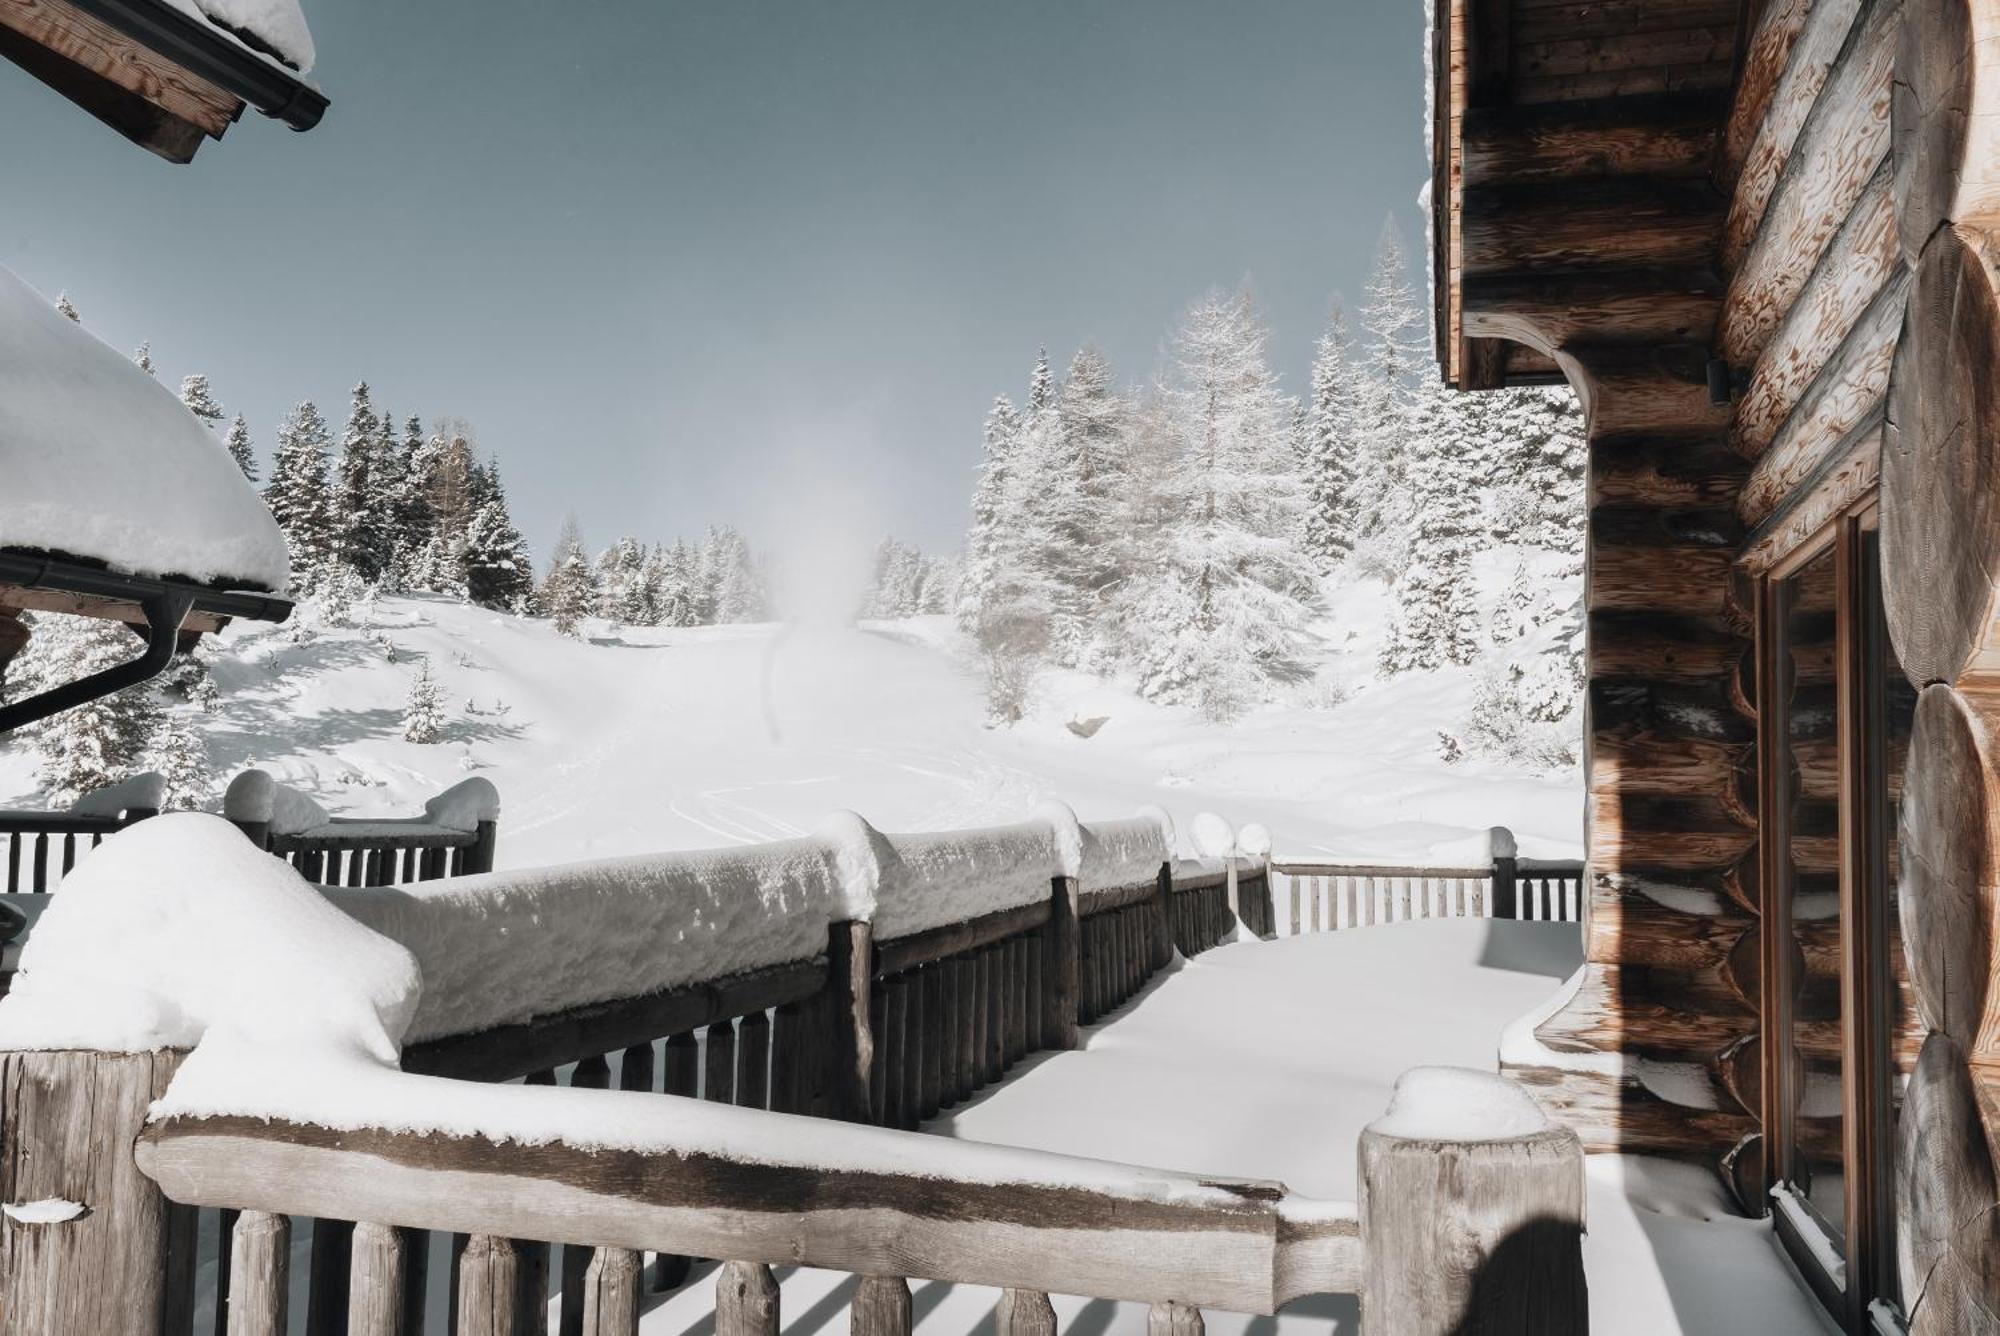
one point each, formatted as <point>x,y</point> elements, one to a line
<point>1836,1041</point>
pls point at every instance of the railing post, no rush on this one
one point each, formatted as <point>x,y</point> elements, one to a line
<point>375,1280</point>
<point>1472,1207</point>
<point>746,1300</point>
<point>70,1120</point>
<point>1163,916</point>
<point>1025,1313</point>
<point>1506,902</point>
<point>1062,975</point>
<point>850,973</point>
<point>260,1252</point>
<point>881,1307</point>
<point>485,843</point>
<point>488,1279</point>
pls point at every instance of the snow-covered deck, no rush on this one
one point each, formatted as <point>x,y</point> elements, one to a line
<point>1266,1059</point>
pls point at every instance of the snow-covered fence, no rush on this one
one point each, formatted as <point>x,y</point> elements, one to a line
<point>1326,896</point>
<point>101,812</point>
<point>455,836</point>
<point>273,1050</point>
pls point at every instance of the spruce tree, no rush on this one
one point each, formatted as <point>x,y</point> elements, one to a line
<point>1228,600</point>
<point>67,307</point>
<point>100,741</point>
<point>1090,554</point>
<point>1330,448</point>
<point>200,401</point>
<point>990,541</point>
<point>497,569</point>
<point>297,493</point>
<point>143,355</point>
<point>180,756</point>
<point>240,449</point>
<point>569,594</point>
<point>1395,362</point>
<point>362,500</point>
<point>1436,618</point>
<point>423,714</point>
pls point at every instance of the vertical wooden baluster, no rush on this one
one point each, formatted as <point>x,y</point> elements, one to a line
<point>531,1263</point>
<point>41,862</point>
<point>964,1038</point>
<point>951,1076</point>
<point>1173,1319</point>
<point>416,1278</point>
<point>68,853</point>
<point>375,1291</point>
<point>914,1005</point>
<point>259,1274</point>
<point>978,963</point>
<point>753,1061</point>
<point>881,1307</point>
<point>718,1076</point>
<point>746,1300</point>
<point>680,1074</point>
<point>611,1293</point>
<point>788,1055</point>
<point>1037,982</point>
<point>894,1043</point>
<point>591,1073</point>
<point>225,1250</point>
<point>935,1029</point>
<point>996,1016</point>
<point>489,1277</point>
<point>1024,1313</point>
<point>13,864</point>
<point>878,1064</point>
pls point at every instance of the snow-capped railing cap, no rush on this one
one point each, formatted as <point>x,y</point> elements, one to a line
<point>464,805</point>
<point>1254,842</point>
<point>1459,1104</point>
<point>1069,833</point>
<point>255,796</point>
<point>1500,842</point>
<point>146,790</point>
<point>1125,852</point>
<point>1213,837</point>
<point>861,852</point>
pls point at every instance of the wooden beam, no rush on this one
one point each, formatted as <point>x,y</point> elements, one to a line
<point>1671,136</point>
<point>15,598</point>
<point>137,92</point>
<point>1619,222</point>
<point>1246,1246</point>
<point>1765,57</point>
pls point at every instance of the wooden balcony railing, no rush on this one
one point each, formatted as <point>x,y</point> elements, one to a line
<point>456,836</point>
<point>43,847</point>
<point>1326,896</point>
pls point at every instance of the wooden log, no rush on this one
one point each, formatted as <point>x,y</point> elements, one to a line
<point>593,1073</point>
<point>1015,955</point>
<point>1844,140</point>
<point>964,1036</point>
<point>1940,474</point>
<point>1772,40</point>
<point>531,1261</point>
<point>902,953</point>
<point>881,1307</point>
<point>1024,1313</point>
<point>895,1101</point>
<point>936,1026</point>
<point>753,1061</point>
<point>1660,137</point>
<point>1947,1234</point>
<point>1173,1319</point>
<point>791,1041</point>
<point>1949,836</point>
<point>1059,1022</point>
<point>1946,115</point>
<point>1621,222</point>
<point>746,1300</point>
<point>260,1253</point>
<point>1482,1236</point>
<point>488,1278</point>
<point>915,1033</point>
<point>611,1293</point>
<point>70,1118</point>
<point>375,1296</point>
<point>1036,981</point>
<point>850,969</point>
<point>878,1069</point>
<point>718,1075</point>
<point>993,976</point>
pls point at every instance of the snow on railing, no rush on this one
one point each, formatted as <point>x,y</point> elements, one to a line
<point>457,835</point>
<point>288,1041</point>
<point>103,811</point>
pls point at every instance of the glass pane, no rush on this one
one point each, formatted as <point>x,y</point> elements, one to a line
<point>1815,1167</point>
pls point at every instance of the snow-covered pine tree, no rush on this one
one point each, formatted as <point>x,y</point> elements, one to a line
<point>1436,618</point>
<point>989,541</point>
<point>67,307</point>
<point>498,570</point>
<point>410,505</point>
<point>899,581</point>
<point>179,754</point>
<point>423,714</point>
<point>1226,607</point>
<point>569,594</point>
<point>143,355</point>
<point>240,449</point>
<point>298,494</point>
<point>679,577</point>
<point>363,499</point>
<point>940,584</point>
<point>101,741</point>
<point>1511,613</point>
<point>1092,555</point>
<point>621,583</point>
<point>1394,363</point>
<point>738,586</point>
<point>1331,446</point>
<point>200,400</point>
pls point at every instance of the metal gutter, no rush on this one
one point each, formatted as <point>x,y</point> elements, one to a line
<point>206,50</point>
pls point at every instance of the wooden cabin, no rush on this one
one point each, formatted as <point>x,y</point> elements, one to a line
<point>1757,238</point>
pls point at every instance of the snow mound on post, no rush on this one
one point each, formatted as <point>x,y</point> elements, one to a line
<point>147,789</point>
<point>104,464</point>
<point>255,796</point>
<point>464,805</point>
<point>1459,1104</point>
<point>1212,836</point>
<point>948,877</point>
<point>178,930</point>
<point>505,947</point>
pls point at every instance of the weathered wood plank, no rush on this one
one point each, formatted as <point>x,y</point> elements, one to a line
<point>119,60</point>
<point>375,1294</point>
<point>611,1293</point>
<point>259,1275</point>
<point>746,1300</point>
<point>881,1307</point>
<point>487,1278</point>
<point>1024,1313</point>
<point>1779,23</point>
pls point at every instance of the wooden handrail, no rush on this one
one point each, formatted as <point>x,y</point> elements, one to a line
<point>1001,1217</point>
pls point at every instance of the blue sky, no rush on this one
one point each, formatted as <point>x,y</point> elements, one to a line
<point>680,263</point>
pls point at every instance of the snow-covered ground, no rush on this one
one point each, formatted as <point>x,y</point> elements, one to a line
<point>640,740</point>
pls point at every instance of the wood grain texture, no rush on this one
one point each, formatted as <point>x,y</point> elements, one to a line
<point>1474,1236</point>
<point>1659,137</point>
<point>881,1307</point>
<point>1765,58</point>
<point>375,1282</point>
<point>1941,463</point>
<point>746,1300</point>
<point>111,55</point>
<point>488,1275</point>
<point>260,1275</point>
<point>611,1293</point>
<point>1947,1220</point>
<point>1844,140</point>
<point>1946,118</point>
<point>1948,832</point>
<point>70,1119</point>
<point>1024,1313</point>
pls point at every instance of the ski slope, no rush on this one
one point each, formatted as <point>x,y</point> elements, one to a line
<point>642,739</point>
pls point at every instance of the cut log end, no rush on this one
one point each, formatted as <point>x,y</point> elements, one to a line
<point>1947,1225</point>
<point>1941,465</point>
<point>1949,837</point>
<point>1942,119</point>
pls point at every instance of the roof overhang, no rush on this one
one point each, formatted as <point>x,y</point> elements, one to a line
<point>163,78</point>
<point>170,614</point>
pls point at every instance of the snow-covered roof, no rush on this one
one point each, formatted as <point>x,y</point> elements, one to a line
<point>268,27</point>
<point>99,462</point>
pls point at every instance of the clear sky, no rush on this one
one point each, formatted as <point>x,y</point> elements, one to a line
<point>680,263</point>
